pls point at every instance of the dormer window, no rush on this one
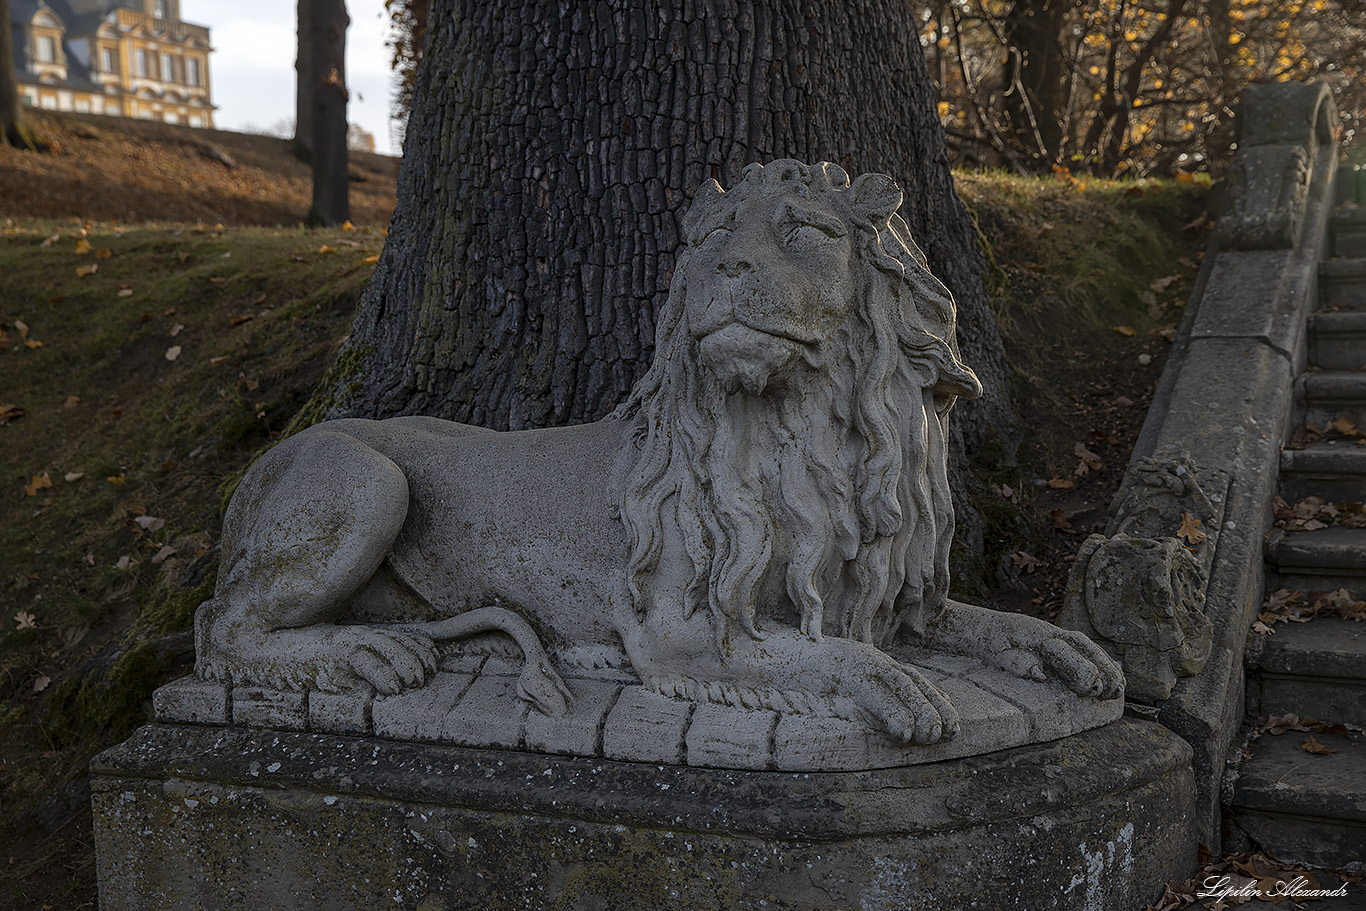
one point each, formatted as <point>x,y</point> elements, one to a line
<point>46,49</point>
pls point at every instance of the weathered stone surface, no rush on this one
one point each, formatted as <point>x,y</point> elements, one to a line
<point>191,700</point>
<point>1141,591</point>
<point>1268,187</point>
<point>1332,394</point>
<point>262,707</point>
<point>203,817</point>
<point>1313,670</point>
<point>1319,560</point>
<point>728,531</point>
<point>1332,470</point>
<point>1303,807</point>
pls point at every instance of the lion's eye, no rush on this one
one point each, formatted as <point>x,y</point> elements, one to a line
<point>803,234</point>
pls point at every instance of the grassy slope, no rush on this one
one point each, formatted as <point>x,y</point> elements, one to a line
<point>109,622</point>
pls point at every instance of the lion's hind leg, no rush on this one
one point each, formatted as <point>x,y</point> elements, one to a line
<point>306,530</point>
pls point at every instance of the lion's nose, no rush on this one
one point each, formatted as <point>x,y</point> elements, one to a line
<point>734,266</point>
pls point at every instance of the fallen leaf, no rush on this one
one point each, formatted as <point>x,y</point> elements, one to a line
<point>221,359</point>
<point>50,241</point>
<point>172,352</point>
<point>32,343</point>
<point>1311,745</point>
<point>162,555</point>
<point>1190,529</point>
<point>326,249</point>
<point>1058,519</point>
<point>1089,458</point>
<point>41,683</point>
<point>88,269</point>
<point>104,253</point>
<point>347,226</point>
<point>177,329</point>
<point>1344,426</point>
<point>40,482</point>
<point>117,479</point>
<point>124,562</point>
<point>150,523</point>
<point>10,412</point>
<point>21,327</point>
<point>243,318</point>
<point>184,257</point>
<point>369,260</point>
<point>25,620</point>
<point>125,292</point>
<point>72,401</point>
<point>1127,331</point>
<point>82,247</point>
<point>1060,484</point>
<point>259,300</point>
<point>1160,284</point>
<point>73,476</point>
<point>1262,629</point>
<point>1026,561</point>
<point>217,279</point>
<point>1124,401</point>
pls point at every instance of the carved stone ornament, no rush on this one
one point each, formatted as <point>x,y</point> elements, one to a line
<point>745,565</point>
<point>1268,189</point>
<point>1140,592</point>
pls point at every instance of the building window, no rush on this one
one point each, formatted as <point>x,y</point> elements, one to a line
<point>161,9</point>
<point>167,68</point>
<point>141,62</point>
<point>107,59</point>
<point>192,72</point>
<point>82,105</point>
<point>47,49</point>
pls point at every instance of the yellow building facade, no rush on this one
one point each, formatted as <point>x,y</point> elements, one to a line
<point>134,58</point>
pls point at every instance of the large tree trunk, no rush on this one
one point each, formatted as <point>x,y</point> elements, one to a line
<point>1037,79</point>
<point>13,126</point>
<point>551,151</point>
<point>303,95</point>
<point>327,87</point>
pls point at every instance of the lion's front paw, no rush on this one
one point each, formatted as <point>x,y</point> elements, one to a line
<point>902,701</point>
<point>1070,657</point>
<point>388,660</point>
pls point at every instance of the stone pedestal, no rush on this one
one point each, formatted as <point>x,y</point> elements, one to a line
<point>194,816</point>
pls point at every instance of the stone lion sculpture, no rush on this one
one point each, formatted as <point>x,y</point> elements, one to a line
<point>766,513</point>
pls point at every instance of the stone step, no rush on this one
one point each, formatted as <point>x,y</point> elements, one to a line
<point>1337,339</point>
<point>1302,807</point>
<point>1334,470</point>
<point>1322,560</point>
<point>1333,394</point>
<point>1313,670</point>
<point>1342,284</point>
<point>1349,233</point>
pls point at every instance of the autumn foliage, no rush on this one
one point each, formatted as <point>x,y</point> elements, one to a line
<point>1113,87</point>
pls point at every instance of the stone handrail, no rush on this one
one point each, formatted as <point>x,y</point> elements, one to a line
<point>1173,586</point>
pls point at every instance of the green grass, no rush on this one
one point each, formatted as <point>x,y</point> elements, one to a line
<point>96,603</point>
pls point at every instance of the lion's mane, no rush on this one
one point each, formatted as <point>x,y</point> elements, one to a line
<point>867,513</point>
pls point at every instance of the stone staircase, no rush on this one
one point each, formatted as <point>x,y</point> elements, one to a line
<point>1301,805</point>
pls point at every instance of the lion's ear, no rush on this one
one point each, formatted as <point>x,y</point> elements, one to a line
<point>703,208</point>
<point>875,196</point>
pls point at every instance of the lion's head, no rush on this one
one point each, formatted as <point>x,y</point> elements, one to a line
<point>792,424</point>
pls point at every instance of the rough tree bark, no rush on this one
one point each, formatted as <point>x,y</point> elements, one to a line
<point>14,128</point>
<point>551,151</point>
<point>303,97</point>
<point>328,97</point>
<point>1037,79</point>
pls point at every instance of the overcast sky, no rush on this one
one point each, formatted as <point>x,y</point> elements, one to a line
<point>252,66</point>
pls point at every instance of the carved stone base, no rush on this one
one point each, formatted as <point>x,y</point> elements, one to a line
<point>473,702</point>
<point>202,817</point>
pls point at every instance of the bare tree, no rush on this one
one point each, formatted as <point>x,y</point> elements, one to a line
<point>326,88</point>
<point>14,129</point>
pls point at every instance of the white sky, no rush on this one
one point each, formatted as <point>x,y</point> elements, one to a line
<point>252,66</point>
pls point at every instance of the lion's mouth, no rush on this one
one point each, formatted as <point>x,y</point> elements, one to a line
<point>745,358</point>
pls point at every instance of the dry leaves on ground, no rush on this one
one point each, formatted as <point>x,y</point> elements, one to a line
<point>1313,513</point>
<point>1285,606</point>
<point>1190,529</point>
